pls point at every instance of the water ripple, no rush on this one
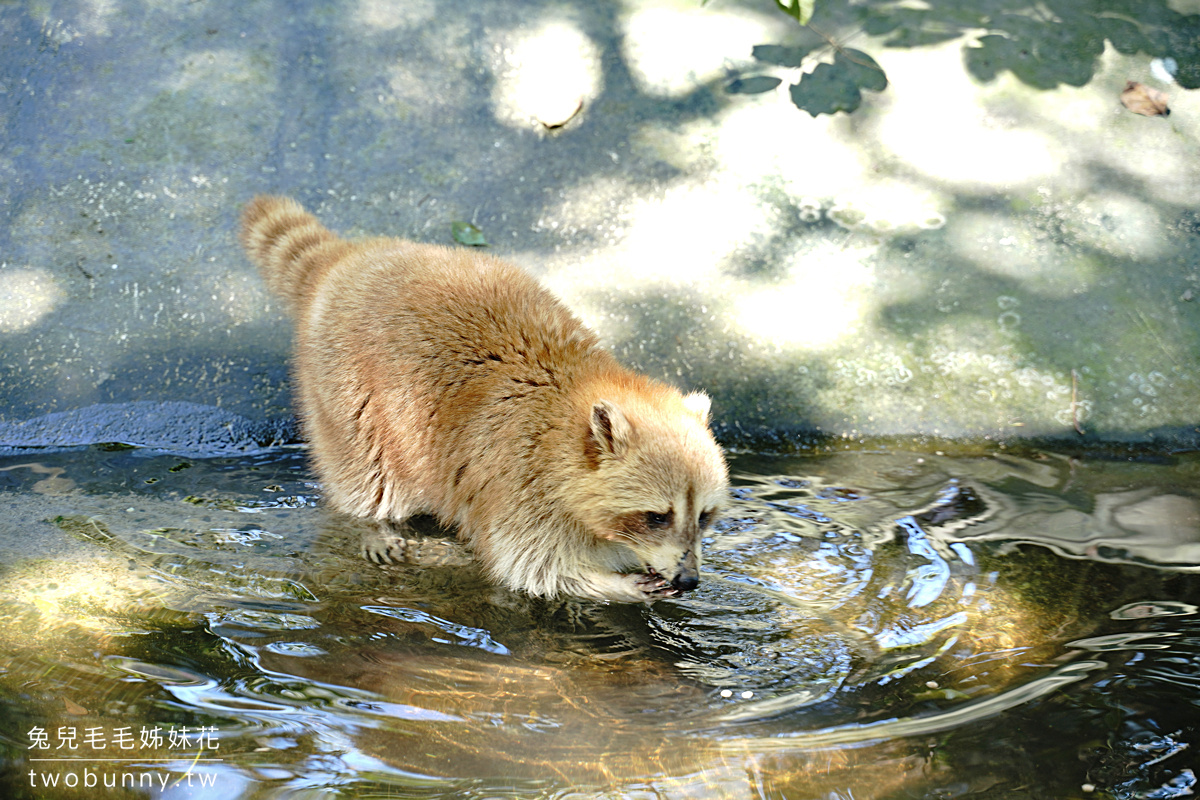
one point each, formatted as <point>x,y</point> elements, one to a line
<point>857,733</point>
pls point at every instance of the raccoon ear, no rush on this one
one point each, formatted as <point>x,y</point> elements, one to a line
<point>610,430</point>
<point>699,404</point>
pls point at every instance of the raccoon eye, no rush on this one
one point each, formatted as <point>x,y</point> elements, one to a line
<point>656,520</point>
<point>705,518</point>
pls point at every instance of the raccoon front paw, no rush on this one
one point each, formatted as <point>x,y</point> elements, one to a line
<point>619,587</point>
<point>639,587</point>
<point>653,585</point>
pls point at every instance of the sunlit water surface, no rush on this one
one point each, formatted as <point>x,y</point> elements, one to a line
<point>871,624</point>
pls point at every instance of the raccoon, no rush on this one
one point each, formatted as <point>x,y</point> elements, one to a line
<point>444,381</point>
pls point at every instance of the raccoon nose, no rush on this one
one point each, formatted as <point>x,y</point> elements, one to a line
<point>686,581</point>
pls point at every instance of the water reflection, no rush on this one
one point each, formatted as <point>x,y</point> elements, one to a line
<point>869,624</point>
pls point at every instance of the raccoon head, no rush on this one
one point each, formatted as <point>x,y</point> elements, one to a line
<point>660,480</point>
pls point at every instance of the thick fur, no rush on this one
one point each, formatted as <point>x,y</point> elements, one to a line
<point>445,381</point>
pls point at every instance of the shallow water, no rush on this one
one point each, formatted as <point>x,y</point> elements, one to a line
<point>871,624</point>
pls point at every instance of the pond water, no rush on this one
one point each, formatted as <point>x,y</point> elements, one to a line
<point>872,623</point>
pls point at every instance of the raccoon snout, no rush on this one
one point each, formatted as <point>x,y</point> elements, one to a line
<point>687,577</point>
<point>686,580</point>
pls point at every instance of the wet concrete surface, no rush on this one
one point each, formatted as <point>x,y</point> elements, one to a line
<point>957,258</point>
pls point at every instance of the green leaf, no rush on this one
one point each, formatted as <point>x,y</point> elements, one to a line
<point>1127,39</point>
<point>908,37</point>
<point>800,10</point>
<point>468,234</point>
<point>861,69</point>
<point>990,56</point>
<point>779,55</point>
<point>835,87</point>
<point>755,84</point>
<point>882,21</point>
<point>826,90</point>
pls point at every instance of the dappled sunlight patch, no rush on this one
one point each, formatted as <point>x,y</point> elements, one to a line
<point>966,363</point>
<point>937,120</point>
<point>1008,247</point>
<point>766,137</point>
<point>159,298</point>
<point>681,238</point>
<point>388,15</point>
<point>888,207</point>
<point>545,76</point>
<point>54,603</point>
<point>27,295</point>
<point>823,300</point>
<point>593,211</point>
<point>407,90</point>
<point>684,147</point>
<point>1119,224</point>
<point>1159,155</point>
<point>670,48</point>
<point>215,72</point>
<point>91,19</point>
<point>1081,112</point>
<point>237,296</point>
<point>982,364</point>
<point>687,233</point>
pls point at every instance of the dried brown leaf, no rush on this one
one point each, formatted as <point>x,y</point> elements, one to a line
<point>555,116</point>
<point>1142,99</point>
<point>74,708</point>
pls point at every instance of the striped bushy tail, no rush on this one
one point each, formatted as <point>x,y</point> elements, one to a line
<point>289,246</point>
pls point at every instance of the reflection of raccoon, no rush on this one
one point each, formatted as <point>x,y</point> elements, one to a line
<point>443,381</point>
